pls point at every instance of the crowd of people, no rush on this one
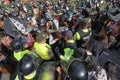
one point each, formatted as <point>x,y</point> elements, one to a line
<point>43,40</point>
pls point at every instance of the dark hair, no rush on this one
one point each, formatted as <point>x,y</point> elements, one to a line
<point>83,24</point>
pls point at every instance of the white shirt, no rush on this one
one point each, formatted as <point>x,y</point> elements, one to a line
<point>56,23</point>
<point>51,40</point>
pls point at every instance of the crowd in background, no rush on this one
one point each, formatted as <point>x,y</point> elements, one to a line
<point>56,32</point>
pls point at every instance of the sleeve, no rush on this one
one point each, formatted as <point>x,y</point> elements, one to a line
<point>67,54</point>
<point>51,40</point>
<point>77,36</point>
<point>50,51</point>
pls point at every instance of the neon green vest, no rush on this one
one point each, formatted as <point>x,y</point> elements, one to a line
<point>42,50</point>
<point>67,54</point>
<point>19,55</point>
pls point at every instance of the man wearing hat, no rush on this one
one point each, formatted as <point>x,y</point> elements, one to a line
<point>28,67</point>
<point>42,48</point>
<point>68,49</point>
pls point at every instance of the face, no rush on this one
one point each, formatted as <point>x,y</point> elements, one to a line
<point>7,41</point>
<point>43,41</point>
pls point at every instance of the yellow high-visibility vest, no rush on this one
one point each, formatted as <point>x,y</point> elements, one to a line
<point>42,50</point>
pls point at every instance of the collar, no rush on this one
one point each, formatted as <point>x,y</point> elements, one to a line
<point>70,41</point>
<point>85,30</point>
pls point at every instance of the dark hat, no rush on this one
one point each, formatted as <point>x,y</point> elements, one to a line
<point>68,34</point>
<point>82,23</point>
<point>41,36</point>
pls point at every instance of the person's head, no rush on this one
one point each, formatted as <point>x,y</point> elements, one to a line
<point>19,44</point>
<point>83,24</point>
<point>68,35</point>
<point>6,39</point>
<point>28,65</point>
<point>77,71</point>
<point>41,38</point>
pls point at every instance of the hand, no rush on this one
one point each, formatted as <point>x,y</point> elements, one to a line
<point>88,52</point>
<point>56,39</point>
<point>2,57</point>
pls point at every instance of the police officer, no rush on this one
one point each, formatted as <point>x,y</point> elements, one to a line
<point>42,48</point>
<point>74,69</point>
<point>68,48</point>
<point>83,35</point>
<point>19,45</point>
<point>77,70</point>
<point>28,67</point>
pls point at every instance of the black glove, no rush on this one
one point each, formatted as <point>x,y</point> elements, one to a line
<point>57,51</point>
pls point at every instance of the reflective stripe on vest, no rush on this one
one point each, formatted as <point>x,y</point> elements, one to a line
<point>85,35</point>
<point>17,78</point>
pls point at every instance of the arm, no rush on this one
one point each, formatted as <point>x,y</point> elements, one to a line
<point>51,40</point>
<point>77,36</point>
<point>67,54</point>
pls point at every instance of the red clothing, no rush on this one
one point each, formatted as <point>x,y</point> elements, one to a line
<point>58,18</point>
<point>30,39</point>
<point>6,1</point>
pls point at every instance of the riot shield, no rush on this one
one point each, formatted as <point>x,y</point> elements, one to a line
<point>15,27</point>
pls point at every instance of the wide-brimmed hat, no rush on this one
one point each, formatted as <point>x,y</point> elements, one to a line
<point>41,36</point>
<point>58,14</point>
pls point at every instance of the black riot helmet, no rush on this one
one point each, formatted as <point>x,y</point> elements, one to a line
<point>28,64</point>
<point>77,71</point>
<point>18,44</point>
